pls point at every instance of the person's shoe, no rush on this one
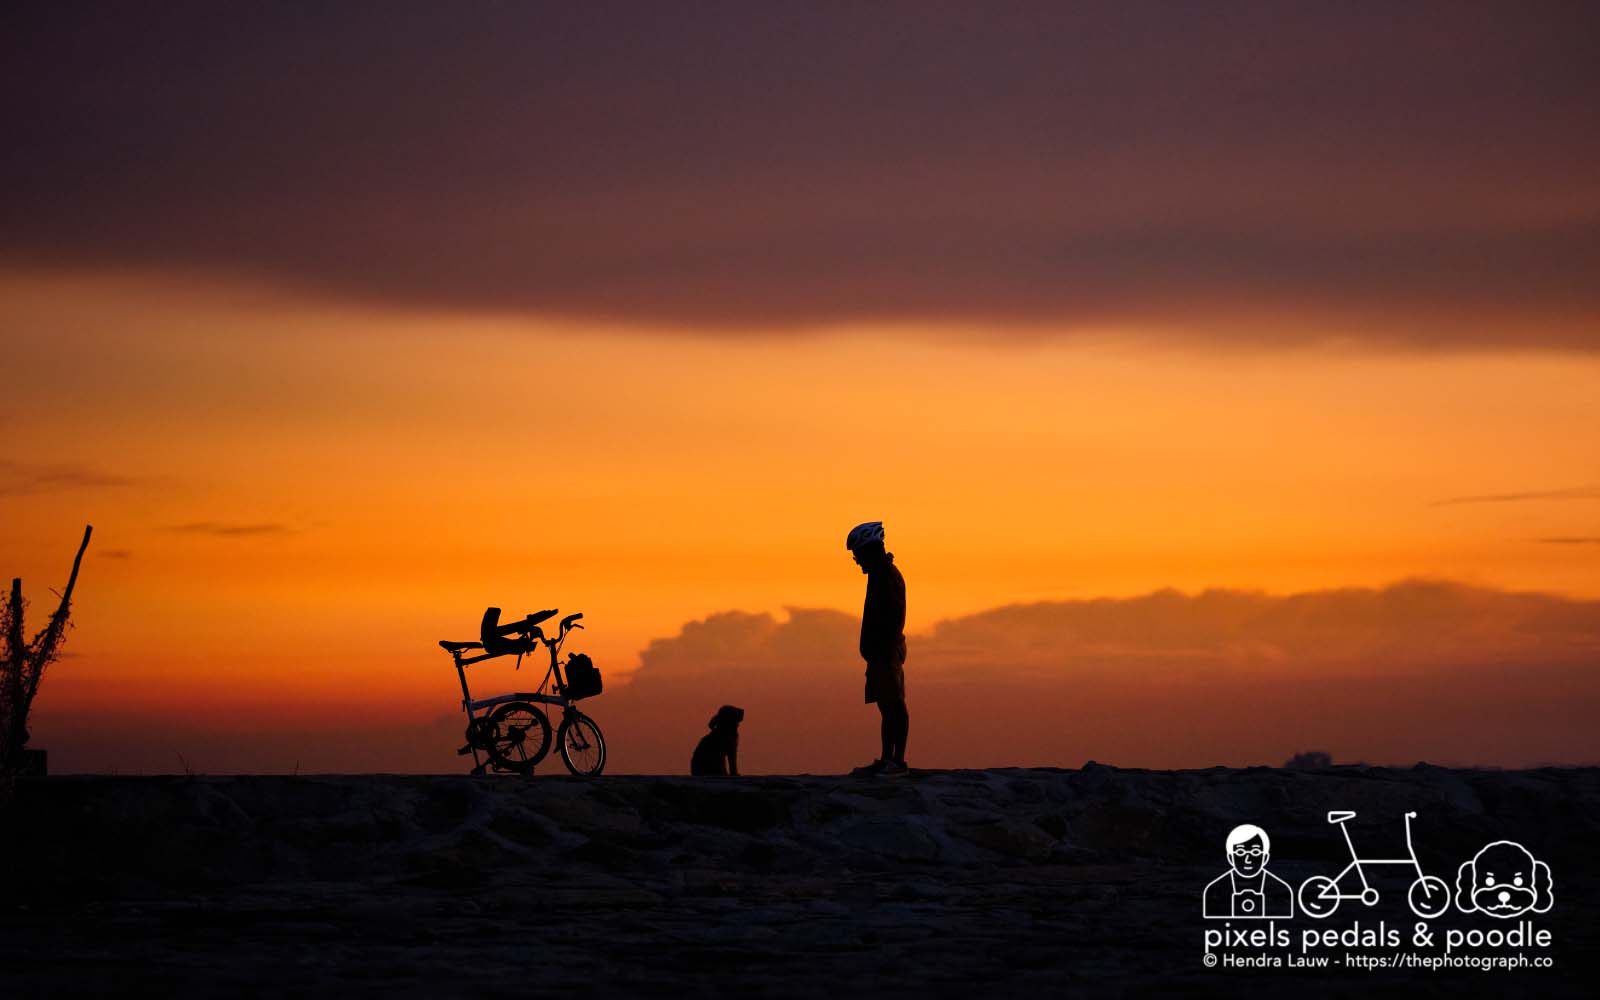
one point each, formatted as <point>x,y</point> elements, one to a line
<point>894,769</point>
<point>868,770</point>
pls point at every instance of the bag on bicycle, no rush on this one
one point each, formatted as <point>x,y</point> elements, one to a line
<point>583,677</point>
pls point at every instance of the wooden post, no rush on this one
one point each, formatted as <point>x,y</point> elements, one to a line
<point>13,682</point>
<point>44,646</point>
<point>12,672</point>
<point>25,662</point>
<point>14,645</point>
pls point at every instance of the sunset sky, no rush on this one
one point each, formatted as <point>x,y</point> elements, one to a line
<point>341,324</point>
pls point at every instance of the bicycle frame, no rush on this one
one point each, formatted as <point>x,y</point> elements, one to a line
<point>473,706</point>
<point>1357,861</point>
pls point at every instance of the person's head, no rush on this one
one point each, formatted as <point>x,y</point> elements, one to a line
<point>1248,849</point>
<point>727,717</point>
<point>865,543</point>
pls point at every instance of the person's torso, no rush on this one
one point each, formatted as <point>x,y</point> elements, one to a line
<point>883,613</point>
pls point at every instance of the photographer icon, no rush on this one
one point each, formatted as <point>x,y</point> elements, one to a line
<point>1247,890</point>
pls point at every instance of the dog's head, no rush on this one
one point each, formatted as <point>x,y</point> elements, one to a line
<point>727,717</point>
<point>1504,880</point>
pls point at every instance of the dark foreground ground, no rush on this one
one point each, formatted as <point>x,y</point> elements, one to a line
<point>960,883</point>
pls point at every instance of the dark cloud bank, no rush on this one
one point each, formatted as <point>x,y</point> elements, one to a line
<point>230,529</point>
<point>27,478</point>
<point>1575,493</point>
<point>1421,670</point>
<point>1418,175</point>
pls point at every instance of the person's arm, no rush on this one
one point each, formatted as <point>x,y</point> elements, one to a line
<point>883,618</point>
<point>897,594</point>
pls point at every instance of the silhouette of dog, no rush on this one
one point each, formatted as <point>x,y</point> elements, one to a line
<point>718,751</point>
<point>1503,880</point>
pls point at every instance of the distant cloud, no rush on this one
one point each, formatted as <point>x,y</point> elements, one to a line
<point>115,554</point>
<point>1578,540</point>
<point>1283,174</point>
<point>24,478</point>
<point>227,529</point>
<point>1421,669</point>
<point>1576,493</point>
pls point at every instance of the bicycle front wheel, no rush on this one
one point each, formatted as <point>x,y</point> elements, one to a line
<point>519,737</point>
<point>583,749</point>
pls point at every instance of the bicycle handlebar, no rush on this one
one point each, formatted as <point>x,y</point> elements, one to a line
<point>530,626</point>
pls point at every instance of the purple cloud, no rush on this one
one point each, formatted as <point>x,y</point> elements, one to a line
<point>1254,174</point>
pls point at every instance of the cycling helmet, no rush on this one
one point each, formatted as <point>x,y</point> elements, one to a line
<point>864,534</point>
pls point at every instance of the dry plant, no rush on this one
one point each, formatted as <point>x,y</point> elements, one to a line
<point>22,665</point>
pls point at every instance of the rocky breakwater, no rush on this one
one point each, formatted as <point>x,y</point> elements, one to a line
<point>947,882</point>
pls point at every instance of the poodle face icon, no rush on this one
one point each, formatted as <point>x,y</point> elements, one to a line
<point>1504,880</point>
<point>1247,890</point>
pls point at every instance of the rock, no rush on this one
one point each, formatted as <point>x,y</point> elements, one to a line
<point>903,838</point>
<point>1053,823</point>
<point>1013,839</point>
<point>918,889</point>
<point>746,812</point>
<point>1012,882</point>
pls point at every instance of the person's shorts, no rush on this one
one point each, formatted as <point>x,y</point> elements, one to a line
<point>886,682</point>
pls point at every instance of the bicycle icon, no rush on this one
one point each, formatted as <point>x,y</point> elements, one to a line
<point>1428,896</point>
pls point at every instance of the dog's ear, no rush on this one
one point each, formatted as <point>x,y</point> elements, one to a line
<point>1544,888</point>
<point>1466,881</point>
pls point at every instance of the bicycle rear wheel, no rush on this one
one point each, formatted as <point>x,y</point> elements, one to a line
<point>583,748</point>
<point>519,737</point>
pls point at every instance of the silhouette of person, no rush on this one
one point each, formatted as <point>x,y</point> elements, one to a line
<point>883,645</point>
<point>717,753</point>
<point>1247,890</point>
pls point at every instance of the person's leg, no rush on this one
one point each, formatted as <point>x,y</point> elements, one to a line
<point>905,730</point>
<point>896,728</point>
<point>887,728</point>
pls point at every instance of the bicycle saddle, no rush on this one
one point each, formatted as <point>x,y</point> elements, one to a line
<point>451,647</point>
<point>1340,815</point>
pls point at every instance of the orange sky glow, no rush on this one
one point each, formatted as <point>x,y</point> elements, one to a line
<point>294,500</point>
<point>1194,357</point>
